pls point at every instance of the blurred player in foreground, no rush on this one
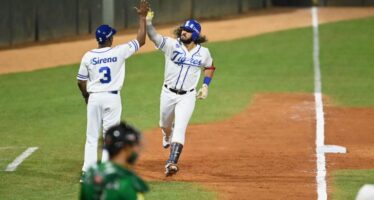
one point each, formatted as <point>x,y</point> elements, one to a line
<point>115,180</point>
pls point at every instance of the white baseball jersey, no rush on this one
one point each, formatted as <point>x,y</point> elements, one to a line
<point>183,67</point>
<point>104,68</point>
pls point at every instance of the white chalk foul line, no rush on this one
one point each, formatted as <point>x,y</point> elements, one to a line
<point>16,162</point>
<point>321,148</point>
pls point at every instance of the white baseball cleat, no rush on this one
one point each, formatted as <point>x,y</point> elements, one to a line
<point>165,141</point>
<point>171,169</point>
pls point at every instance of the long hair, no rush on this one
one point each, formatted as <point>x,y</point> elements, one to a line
<point>201,39</point>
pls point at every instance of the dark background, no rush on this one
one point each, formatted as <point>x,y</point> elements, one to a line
<point>28,21</point>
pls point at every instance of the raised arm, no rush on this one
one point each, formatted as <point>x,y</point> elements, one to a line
<point>142,11</point>
<point>151,31</point>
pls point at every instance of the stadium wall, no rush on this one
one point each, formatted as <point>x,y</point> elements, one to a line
<point>28,21</point>
<point>323,2</point>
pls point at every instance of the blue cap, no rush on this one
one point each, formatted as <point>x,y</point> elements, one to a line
<point>104,32</point>
<point>192,26</point>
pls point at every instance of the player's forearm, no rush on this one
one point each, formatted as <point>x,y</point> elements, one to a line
<point>82,85</point>
<point>141,31</point>
<point>153,35</point>
<point>208,75</point>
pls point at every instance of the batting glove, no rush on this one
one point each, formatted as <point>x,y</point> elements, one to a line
<point>203,92</point>
<point>149,17</point>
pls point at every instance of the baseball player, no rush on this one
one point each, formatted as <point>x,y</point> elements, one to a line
<point>100,79</point>
<point>185,58</point>
<point>115,180</point>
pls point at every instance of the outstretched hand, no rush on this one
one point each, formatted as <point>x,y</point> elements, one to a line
<point>143,8</point>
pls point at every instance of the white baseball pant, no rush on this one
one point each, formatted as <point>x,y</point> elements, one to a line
<point>103,111</point>
<point>178,109</point>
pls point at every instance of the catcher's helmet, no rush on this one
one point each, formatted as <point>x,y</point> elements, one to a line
<point>120,136</point>
<point>104,32</point>
<point>192,26</point>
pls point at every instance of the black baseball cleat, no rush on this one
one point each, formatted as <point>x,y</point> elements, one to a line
<point>171,169</point>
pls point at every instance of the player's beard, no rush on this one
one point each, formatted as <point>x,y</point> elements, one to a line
<point>186,41</point>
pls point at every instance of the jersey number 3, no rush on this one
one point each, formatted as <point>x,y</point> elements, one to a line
<point>106,72</point>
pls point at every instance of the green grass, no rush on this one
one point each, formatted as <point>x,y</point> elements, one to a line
<point>348,182</point>
<point>348,77</point>
<point>179,191</point>
<point>44,108</point>
<point>347,62</point>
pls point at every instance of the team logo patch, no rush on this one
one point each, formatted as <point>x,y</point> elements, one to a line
<point>180,59</point>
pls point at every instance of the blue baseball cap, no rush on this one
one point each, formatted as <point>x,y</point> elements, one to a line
<point>192,26</point>
<point>104,32</point>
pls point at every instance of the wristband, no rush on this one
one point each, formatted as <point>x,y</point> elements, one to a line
<point>207,80</point>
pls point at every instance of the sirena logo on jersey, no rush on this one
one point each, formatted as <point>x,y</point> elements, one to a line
<point>98,60</point>
<point>178,58</point>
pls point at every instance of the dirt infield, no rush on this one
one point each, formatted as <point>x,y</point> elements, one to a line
<point>255,23</point>
<point>352,128</point>
<point>265,152</point>
<point>268,150</point>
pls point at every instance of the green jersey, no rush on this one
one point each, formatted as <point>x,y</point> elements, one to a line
<point>109,181</point>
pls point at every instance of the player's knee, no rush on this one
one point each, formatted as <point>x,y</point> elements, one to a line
<point>92,140</point>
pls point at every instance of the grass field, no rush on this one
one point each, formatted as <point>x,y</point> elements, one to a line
<point>348,182</point>
<point>44,108</point>
<point>347,71</point>
<point>347,62</point>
